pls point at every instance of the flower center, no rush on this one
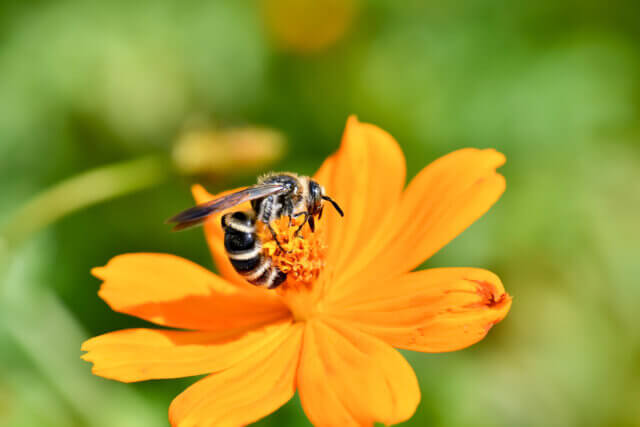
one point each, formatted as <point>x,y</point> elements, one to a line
<point>300,257</point>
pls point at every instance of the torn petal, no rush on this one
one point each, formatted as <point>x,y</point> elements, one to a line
<point>436,310</point>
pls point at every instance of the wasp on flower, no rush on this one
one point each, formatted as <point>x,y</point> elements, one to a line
<point>345,290</point>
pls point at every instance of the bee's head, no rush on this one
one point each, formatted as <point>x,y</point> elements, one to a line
<point>316,198</point>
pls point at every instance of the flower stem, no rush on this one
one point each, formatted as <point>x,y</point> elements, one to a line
<point>81,191</point>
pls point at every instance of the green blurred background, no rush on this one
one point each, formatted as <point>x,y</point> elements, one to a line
<point>148,92</point>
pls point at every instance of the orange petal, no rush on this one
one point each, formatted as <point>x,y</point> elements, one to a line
<point>215,236</point>
<point>440,202</point>
<point>144,354</point>
<point>348,378</point>
<point>436,310</point>
<point>323,175</point>
<point>245,392</point>
<point>366,178</point>
<point>171,291</point>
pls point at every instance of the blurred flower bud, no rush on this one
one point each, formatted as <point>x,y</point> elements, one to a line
<point>237,150</point>
<point>307,25</point>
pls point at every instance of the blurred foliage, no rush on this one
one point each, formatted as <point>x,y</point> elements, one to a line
<point>553,85</point>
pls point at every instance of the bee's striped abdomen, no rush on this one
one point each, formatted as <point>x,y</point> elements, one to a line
<point>245,251</point>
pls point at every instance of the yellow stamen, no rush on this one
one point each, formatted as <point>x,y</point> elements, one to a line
<point>303,256</point>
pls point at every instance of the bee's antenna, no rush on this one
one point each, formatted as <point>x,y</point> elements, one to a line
<point>335,205</point>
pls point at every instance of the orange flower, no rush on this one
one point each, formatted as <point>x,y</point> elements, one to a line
<point>329,330</point>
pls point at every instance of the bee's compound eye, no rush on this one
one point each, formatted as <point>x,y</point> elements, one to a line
<point>315,190</point>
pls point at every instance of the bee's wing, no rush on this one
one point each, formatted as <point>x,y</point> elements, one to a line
<point>197,214</point>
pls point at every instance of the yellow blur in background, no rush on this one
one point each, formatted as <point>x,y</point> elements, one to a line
<point>99,145</point>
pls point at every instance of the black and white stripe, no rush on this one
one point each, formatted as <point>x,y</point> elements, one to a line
<point>245,251</point>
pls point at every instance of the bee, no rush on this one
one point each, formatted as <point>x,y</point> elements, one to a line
<point>273,197</point>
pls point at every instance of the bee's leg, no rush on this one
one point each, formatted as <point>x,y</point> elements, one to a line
<point>275,237</point>
<point>306,218</point>
<point>288,210</point>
